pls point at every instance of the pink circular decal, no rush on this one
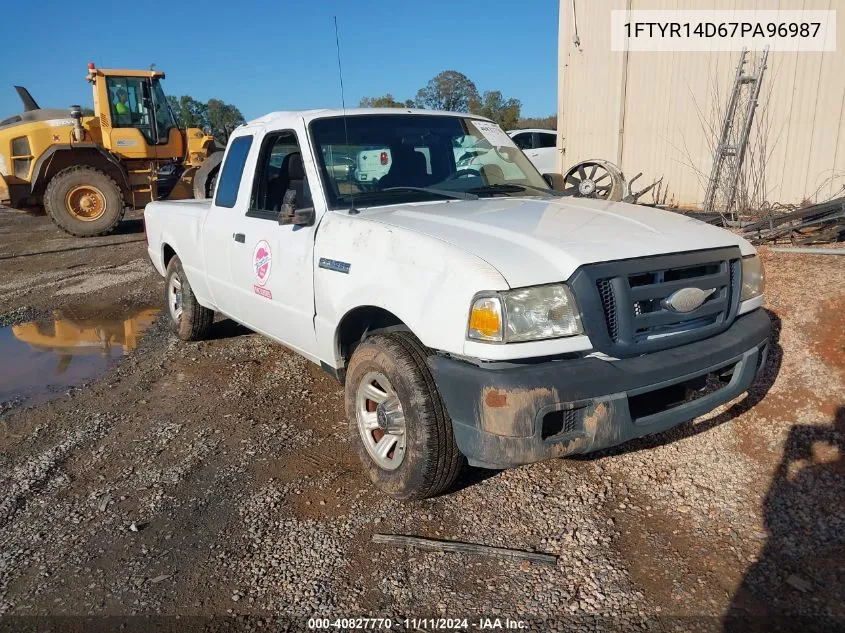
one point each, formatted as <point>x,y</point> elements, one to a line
<point>261,262</point>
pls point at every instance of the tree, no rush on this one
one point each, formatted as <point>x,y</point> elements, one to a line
<point>188,111</point>
<point>449,90</point>
<point>223,118</point>
<point>503,111</point>
<point>173,102</point>
<point>218,117</point>
<point>387,101</point>
<point>544,123</point>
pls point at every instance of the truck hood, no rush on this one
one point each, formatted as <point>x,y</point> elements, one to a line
<point>532,241</point>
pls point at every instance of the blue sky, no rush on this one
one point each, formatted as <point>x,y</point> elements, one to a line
<point>278,56</point>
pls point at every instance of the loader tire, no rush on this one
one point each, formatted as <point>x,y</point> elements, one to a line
<point>189,320</point>
<point>84,201</point>
<point>425,460</point>
<point>205,178</point>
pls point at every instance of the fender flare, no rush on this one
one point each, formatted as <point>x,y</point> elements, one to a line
<point>204,172</point>
<point>42,165</point>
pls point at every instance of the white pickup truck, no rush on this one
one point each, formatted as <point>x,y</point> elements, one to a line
<point>470,314</point>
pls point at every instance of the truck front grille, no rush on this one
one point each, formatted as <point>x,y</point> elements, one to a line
<point>609,306</point>
<point>635,302</point>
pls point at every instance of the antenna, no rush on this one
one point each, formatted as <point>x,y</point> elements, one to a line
<point>352,209</point>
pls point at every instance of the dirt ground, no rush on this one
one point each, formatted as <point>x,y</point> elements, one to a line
<point>214,481</point>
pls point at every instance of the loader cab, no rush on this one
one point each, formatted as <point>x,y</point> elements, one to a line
<point>135,118</point>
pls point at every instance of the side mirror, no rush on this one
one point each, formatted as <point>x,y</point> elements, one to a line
<point>289,214</point>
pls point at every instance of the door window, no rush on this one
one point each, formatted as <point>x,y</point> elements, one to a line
<point>232,172</point>
<point>280,170</point>
<point>546,139</point>
<point>523,140</point>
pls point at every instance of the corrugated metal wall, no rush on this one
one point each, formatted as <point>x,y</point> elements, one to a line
<point>650,111</point>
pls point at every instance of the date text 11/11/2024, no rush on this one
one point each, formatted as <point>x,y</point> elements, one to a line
<point>423,624</point>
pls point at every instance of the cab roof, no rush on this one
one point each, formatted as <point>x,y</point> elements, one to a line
<point>283,117</point>
<point>531,129</point>
<point>118,72</point>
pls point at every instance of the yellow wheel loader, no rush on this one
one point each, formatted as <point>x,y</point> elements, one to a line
<point>85,170</point>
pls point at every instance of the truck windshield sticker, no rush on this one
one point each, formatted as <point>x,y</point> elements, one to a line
<point>333,264</point>
<point>494,134</point>
<point>262,260</point>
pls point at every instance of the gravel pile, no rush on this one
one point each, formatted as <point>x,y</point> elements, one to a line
<point>301,566</point>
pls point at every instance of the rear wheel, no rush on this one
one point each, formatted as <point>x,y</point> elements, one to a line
<point>84,201</point>
<point>397,420</point>
<point>188,319</point>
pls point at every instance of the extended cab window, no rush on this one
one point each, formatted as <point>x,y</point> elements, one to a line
<point>233,169</point>
<point>280,170</point>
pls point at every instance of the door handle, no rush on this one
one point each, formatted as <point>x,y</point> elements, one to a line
<point>239,237</point>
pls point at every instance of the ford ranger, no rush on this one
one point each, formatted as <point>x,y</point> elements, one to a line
<point>471,314</point>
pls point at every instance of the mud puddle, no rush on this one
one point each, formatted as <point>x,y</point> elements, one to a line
<point>42,359</point>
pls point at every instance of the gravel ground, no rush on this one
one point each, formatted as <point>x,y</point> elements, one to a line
<point>215,480</point>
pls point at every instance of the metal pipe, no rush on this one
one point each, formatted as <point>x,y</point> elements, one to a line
<point>623,98</point>
<point>78,130</point>
<point>807,250</point>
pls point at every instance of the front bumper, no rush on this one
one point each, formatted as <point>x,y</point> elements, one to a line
<point>504,417</point>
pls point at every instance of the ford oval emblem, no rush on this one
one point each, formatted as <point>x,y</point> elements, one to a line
<point>686,299</point>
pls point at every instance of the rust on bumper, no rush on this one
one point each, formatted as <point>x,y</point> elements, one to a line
<point>519,414</point>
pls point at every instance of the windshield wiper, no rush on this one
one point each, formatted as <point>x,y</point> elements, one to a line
<point>457,195</point>
<point>509,188</point>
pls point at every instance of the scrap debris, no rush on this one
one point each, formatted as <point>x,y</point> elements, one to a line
<point>604,180</point>
<point>808,251</point>
<point>818,223</point>
<point>436,545</point>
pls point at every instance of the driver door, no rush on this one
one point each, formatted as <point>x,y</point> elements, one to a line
<point>272,264</point>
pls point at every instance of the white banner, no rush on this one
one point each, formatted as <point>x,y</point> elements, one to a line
<point>728,30</point>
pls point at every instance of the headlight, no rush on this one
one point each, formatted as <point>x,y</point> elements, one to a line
<point>753,279</point>
<point>526,314</point>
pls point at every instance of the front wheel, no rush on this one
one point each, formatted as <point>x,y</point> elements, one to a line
<point>188,319</point>
<point>397,420</point>
<point>84,201</point>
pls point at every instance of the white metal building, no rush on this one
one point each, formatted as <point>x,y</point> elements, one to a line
<point>649,111</point>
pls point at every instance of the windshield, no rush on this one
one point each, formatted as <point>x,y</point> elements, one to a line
<point>395,158</point>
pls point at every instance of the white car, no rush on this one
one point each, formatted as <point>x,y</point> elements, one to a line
<point>539,146</point>
<point>371,165</point>
<point>468,315</point>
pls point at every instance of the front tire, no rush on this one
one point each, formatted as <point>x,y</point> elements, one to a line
<point>397,420</point>
<point>84,201</point>
<point>188,319</point>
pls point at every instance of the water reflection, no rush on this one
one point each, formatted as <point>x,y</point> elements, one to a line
<point>43,358</point>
